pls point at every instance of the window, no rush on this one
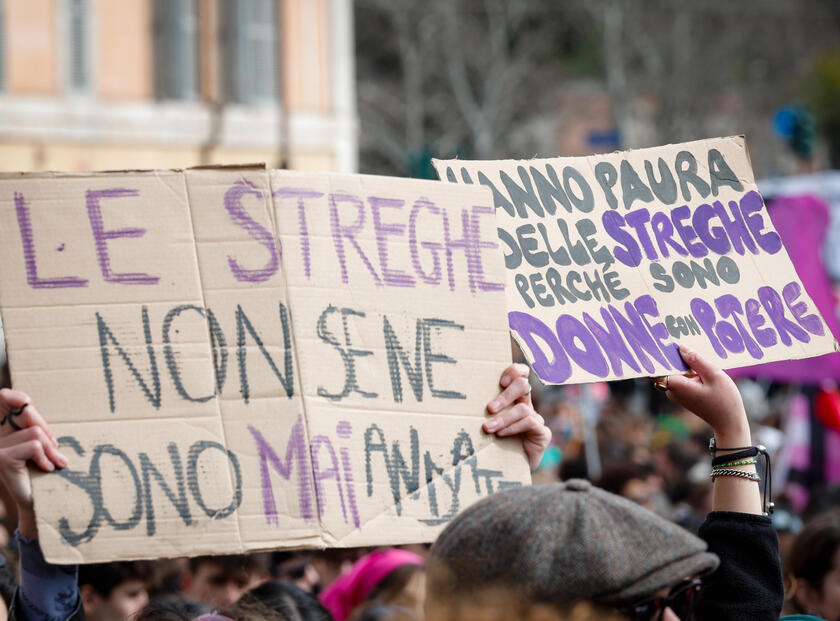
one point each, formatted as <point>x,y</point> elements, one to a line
<point>176,49</point>
<point>249,44</point>
<point>76,49</point>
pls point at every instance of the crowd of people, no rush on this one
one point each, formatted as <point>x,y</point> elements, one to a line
<point>630,518</point>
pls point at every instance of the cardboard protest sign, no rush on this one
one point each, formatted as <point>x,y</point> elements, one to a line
<point>240,359</point>
<point>614,260</point>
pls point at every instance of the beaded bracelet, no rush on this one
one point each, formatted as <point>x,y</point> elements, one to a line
<point>745,462</point>
<point>729,472</point>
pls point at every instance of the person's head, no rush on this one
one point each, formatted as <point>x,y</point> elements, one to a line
<point>812,568</point>
<point>385,576</point>
<point>251,609</point>
<point>245,610</point>
<point>296,567</point>
<point>402,591</point>
<point>550,546</point>
<point>155,612</point>
<point>630,480</point>
<point>176,603</point>
<point>222,580</point>
<point>289,600</point>
<point>332,563</point>
<point>114,591</point>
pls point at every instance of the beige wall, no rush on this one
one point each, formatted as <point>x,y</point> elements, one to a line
<point>45,131</point>
<point>21,156</point>
<point>306,53</point>
<point>210,58</point>
<point>124,55</point>
<point>31,40</point>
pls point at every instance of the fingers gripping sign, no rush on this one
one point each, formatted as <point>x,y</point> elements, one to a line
<point>708,392</point>
<point>28,439</point>
<point>10,417</point>
<point>19,413</point>
<point>513,414</point>
<point>711,394</point>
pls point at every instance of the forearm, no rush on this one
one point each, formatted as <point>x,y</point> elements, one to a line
<point>27,526</point>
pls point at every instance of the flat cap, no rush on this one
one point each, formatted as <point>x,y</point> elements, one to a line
<point>567,542</point>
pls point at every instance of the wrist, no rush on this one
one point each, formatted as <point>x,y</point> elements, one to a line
<point>27,525</point>
<point>733,435</point>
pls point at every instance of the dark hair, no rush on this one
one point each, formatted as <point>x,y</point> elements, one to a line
<point>617,475</point>
<point>236,566</point>
<point>180,604</point>
<point>289,600</point>
<point>105,577</point>
<point>162,612</point>
<point>392,584</point>
<point>812,554</point>
<point>251,609</point>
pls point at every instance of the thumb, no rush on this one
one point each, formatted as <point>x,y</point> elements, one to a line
<point>705,369</point>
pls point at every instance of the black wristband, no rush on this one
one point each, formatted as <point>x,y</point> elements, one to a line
<point>722,459</point>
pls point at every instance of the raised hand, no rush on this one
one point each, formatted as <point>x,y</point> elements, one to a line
<point>24,437</point>
<point>514,414</point>
<point>713,396</point>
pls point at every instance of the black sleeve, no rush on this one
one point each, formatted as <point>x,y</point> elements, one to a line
<point>748,583</point>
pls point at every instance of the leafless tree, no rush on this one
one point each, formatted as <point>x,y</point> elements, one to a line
<point>471,76</point>
<point>707,67</point>
<point>448,75</point>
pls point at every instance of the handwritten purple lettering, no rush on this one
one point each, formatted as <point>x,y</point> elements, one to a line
<point>237,213</point>
<point>101,237</point>
<point>28,240</point>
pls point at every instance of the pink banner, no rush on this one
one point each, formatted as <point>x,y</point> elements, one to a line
<point>801,222</point>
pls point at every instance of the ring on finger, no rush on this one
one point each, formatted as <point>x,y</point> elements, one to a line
<point>11,417</point>
<point>661,383</point>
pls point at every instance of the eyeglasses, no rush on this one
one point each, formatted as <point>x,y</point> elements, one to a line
<point>680,600</point>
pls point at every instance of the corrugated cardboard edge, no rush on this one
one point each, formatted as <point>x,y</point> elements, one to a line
<point>439,161</point>
<point>57,174</point>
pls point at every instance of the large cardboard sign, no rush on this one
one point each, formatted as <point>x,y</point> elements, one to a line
<point>614,260</point>
<point>239,359</point>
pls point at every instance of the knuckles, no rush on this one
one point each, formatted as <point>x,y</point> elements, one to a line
<point>521,369</point>
<point>521,384</point>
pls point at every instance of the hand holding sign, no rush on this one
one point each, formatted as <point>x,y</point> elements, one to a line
<point>520,418</point>
<point>32,442</point>
<point>713,396</point>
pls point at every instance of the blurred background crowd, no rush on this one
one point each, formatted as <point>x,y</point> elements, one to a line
<point>382,86</point>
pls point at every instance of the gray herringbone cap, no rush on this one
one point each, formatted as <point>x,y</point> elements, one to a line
<point>567,542</point>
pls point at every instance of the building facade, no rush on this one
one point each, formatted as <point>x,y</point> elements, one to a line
<point>127,84</point>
